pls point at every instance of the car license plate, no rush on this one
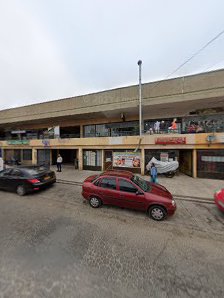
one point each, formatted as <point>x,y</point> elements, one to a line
<point>47,177</point>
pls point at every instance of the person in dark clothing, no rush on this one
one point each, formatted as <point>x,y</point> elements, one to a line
<point>162,127</point>
<point>59,162</point>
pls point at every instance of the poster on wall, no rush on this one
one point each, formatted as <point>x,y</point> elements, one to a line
<point>126,159</point>
<point>164,156</point>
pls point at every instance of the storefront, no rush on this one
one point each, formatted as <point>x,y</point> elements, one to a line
<point>23,156</point>
<point>210,164</point>
<point>43,157</point>
<point>161,154</point>
<point>186,162</point>
<point>69,156</point>
<point>92,160</point>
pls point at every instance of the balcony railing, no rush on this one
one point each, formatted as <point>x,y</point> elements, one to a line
<point>117,134</point>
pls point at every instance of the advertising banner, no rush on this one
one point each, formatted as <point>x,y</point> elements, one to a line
<point>126,159</point>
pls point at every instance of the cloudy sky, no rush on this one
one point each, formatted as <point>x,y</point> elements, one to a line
<point>52,49</point>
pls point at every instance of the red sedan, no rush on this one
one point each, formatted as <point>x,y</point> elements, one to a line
<point>219,199</point>
<point>124,189</point>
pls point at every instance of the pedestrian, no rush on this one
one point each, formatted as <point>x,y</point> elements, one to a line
<point>173,127</point>
<point>59,162</point>
<point>157,126</point>
<point>153,172</point>
<point>162,126</point>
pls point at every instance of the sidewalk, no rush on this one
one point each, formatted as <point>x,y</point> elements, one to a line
<point>179,185</point>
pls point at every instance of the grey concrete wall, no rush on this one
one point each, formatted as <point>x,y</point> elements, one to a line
<point>206,85</point>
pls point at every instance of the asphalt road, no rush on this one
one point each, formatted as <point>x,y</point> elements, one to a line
<point>52,244</point>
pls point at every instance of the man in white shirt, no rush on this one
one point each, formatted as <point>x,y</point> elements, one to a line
<point>59,162</point>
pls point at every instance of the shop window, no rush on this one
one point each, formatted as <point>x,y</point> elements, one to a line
<point>89,131</point>
<point>161,126</point>
<point>210,164</point>
<point>124,128</point>
<point>205,123</point>
<point>27,154</point>
<point>92,158</point>
<point>102,130</point>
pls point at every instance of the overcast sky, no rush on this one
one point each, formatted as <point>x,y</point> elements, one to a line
<point>52,49</point>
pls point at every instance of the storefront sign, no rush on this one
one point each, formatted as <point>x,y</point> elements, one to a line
<point>18,142</point>
<point>170,141</point>
<point>212,158</point>
<point>18,131</point>
<point>126,159</point>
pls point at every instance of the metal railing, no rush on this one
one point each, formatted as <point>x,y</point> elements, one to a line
<point>188,130</point>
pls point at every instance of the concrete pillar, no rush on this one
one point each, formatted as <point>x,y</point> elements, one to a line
<point>102,160</point>
<point>80,159</point>
<point>194,163</point>
<point>143,161</point>
<point>81,131</point>
<point>3,154</point>
<point>50,157</point>
<point>34,156</point>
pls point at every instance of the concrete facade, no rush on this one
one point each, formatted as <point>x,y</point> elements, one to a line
<point>170,98</point>
<point>197,91</point>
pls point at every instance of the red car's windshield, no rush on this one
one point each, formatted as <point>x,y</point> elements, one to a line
<point>141,183</point>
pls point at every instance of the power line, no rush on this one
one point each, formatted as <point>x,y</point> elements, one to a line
<point>207,68</point>
<point>189,59</point>
<point>196,53</point>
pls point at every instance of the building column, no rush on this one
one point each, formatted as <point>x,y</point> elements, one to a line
<point>34,156</point>
<point>143,161</point>
<point>50,157</point>
<point>194,163</point>
<point>3,153</point>
<point>102,160</point>
<point>80,152</point>
<point>81,131</point>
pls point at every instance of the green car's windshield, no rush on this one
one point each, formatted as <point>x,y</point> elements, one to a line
<point>141,183</point>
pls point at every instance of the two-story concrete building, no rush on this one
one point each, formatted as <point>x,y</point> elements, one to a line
<point>101,130</point>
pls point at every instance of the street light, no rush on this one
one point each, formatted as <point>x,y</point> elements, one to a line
<point>140,97</point>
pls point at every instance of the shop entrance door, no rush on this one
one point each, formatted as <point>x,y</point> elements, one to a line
<point>108,160</point>
<point>43,157</point>
<point>186,162</point>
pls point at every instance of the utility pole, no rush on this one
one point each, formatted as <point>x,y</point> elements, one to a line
<point>140,97</point>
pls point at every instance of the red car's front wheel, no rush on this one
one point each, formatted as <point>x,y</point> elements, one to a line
<point>157,213</point>
<point>95,202</point>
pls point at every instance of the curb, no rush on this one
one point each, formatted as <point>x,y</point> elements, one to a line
<point>177,197</point>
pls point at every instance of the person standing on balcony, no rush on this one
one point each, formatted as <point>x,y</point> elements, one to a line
<point>162,126</point>
<point>157,127</point>
<point>173,127</point>
<point>59,163</point>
